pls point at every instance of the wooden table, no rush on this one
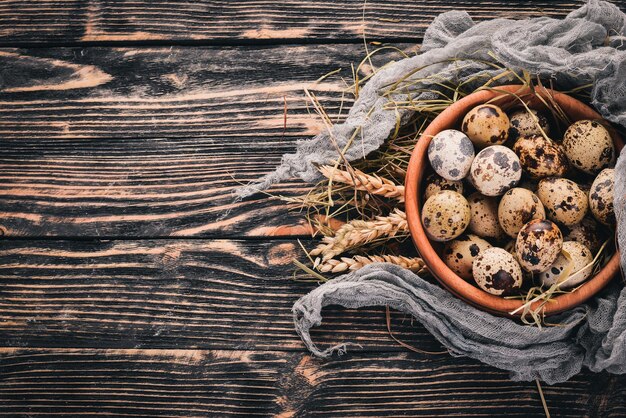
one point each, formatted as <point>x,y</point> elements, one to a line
<point>124,291</point>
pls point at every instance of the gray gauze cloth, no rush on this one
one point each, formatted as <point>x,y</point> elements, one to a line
<point>588,46</point>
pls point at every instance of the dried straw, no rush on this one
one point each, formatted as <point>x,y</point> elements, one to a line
<point>359,232</point>
<point>370,183</point>
<point>343,264</point>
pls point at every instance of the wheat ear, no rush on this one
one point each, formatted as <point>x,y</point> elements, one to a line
<point>344,263</point>
<point>366,182</point>
<point>358,232</point>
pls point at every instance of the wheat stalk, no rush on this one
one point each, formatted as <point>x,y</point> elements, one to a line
<point>345,263</point>
<point>365,182</point>
<point>358,232</point>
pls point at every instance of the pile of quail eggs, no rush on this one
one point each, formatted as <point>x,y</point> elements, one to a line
<point>515,202</point>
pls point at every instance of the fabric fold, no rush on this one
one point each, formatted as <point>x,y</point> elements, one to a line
<point>586,47</point>
<point>590,335</point>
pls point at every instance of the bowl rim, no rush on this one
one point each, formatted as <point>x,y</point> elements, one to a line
<point>451,281</point>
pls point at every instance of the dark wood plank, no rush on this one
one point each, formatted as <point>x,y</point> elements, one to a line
<point>143,188</point>
<point>37,21</point>
<point>216,294</point>
<point>199,383</point>
<point>152,142</point>
<point>172,92</point>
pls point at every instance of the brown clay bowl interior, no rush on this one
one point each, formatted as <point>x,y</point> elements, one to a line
<point>451,119</point>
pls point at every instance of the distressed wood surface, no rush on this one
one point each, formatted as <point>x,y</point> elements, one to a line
<point>200,383</point>
<point>221,93</point>
<point>217,294</point>
<point>135,142</point>
<point>203,327</point>
<point>134,121</point>
<point>166,21</point>
<point>142,188</point>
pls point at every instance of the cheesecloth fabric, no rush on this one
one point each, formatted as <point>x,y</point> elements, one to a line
<point>587,46</point>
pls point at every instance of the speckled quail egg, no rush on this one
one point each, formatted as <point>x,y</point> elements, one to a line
<point>451,153</point>
<point>589,146</point>
<point>538,244</point>
<point>435,184</point>
<point>576,261</point>
<point>497,272</point>
<point>495,170</point>
<point>601,196</point>
<point>486,125</point>
<point>540,157</point>
<point>525,123</point>
<point>460,253</point>
<point>517,207</point>
<point>509,247</point>
<point>445,215</point>
<point>587,232</point>
<point>564,201</point>
<point>484,220</point>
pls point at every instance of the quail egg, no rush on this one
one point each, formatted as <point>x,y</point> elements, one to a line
<point>538,244</point>
<point>486,125</point>
<point>445,215</point>
<point>601,196</point>
<point>563,200</point>
<point>587,232</point>
<point>460,253</point>
<point>524,123</point>
<point>497,272</point>
<point>509,247</point>
<point>517,207</point>
<point>484,219</point>
<point>578,258</point>
<point>589,146</point>
<point>435,184</point>
<point>451,154</point>
<point>495,170</point>
<point>540,157</point>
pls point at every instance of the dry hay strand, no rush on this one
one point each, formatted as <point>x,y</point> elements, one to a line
<point>361,181</point>
<point>415,264</point>
<point>359,232</point>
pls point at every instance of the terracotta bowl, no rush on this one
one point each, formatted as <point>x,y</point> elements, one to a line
<point>451,119</point>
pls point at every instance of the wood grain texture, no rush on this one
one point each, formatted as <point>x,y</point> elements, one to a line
<point>142,188</point>
<point>200,383</point>
<point>218,294</point>
<point>152,142</point>
<point>171,92</point>
<point>37,21</point>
